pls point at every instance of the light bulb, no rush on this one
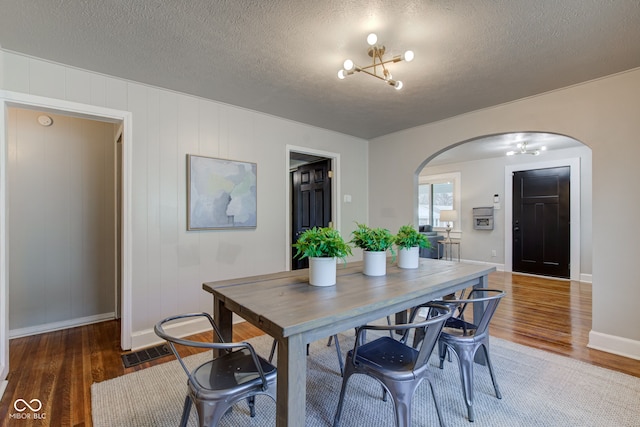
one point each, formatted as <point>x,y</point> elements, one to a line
<point>398,85</point>
<point>543,148</point>
<point>341,74</point>
<point>348,65</point>
<point>372,39</point>
<point>510,153</point>
<point>408,56</point>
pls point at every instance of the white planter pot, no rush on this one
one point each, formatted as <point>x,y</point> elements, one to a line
<point>322,271</point>
<point>375,263</point>
<point>409,258</point>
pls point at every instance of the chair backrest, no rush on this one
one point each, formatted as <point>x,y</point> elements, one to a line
<point>438,315</point>
<point>489,298</point>
<point>431,327</point>
<point>220,345</point>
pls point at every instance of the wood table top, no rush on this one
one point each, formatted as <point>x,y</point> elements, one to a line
<point>283,304</point>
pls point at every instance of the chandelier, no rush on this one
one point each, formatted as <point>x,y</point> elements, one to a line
<point>378,68</point>
<point>522,149</point>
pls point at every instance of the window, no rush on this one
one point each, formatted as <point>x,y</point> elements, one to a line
<point>437,193</point>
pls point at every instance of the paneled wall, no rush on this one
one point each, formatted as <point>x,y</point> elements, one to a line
<point>61,221</point>
<point>170,264</point>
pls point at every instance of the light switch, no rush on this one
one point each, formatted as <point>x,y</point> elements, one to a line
<point>347,198</point>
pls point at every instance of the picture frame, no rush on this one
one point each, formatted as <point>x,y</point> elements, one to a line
<point>221,193</point>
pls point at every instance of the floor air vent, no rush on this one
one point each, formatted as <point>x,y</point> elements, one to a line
<point>137,357</point>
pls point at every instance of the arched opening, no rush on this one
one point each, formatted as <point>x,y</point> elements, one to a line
<point>476,173</point>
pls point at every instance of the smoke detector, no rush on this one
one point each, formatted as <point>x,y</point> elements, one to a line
<point>45,120</point>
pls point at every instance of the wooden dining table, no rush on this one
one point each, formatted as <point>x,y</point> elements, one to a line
<point>295,313</point>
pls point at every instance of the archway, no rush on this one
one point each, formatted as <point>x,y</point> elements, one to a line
<point>484,171</point>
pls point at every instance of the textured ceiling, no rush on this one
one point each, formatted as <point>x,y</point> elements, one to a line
<point>281,56</point>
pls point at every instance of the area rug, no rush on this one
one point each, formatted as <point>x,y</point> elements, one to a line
<point>538,389</point>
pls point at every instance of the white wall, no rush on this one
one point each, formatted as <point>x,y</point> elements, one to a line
<point>602,114</point>
<point>481,179</point>
<point>170,264</point>
<point>61,222</point>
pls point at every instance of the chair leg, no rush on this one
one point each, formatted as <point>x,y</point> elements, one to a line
<point>210,415</point>
<point>331,339</point>
<point>435,402</point>
<point>466,361</point>
<point>493,376</point>
<point>185,411</point>
<point>345,380</point>
<point>442,352</point>
<point>251,401</point>
<point>402,394</point>
<point>340,362</point>
<point>273,350</point>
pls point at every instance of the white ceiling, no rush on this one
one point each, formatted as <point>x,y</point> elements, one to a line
<point>281,56</point>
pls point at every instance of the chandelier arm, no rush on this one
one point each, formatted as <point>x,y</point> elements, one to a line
<point>370,73</point>
<point>377,63</point>
<point>384,69</point>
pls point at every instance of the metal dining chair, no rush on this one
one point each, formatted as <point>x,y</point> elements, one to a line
<point>399,367</point>
<point>236,374</point>
<point>465,335</point>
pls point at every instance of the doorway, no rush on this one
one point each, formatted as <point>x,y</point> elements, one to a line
<point>541,212</point>
<point>62,221</point>
<point>10,99</point>
<point>311,199</point>
<point>312,178</point>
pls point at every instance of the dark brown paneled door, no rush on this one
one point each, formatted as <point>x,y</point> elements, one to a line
<point>311,204</point>
<point>541,238</point>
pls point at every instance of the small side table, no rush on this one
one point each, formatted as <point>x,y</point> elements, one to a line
<point>447,248</point>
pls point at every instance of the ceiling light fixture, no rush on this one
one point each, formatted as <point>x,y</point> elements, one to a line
<point>376,52</point>
<point>522,149</point>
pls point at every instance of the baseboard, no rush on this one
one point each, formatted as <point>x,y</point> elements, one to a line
<point>614,344</point>
<point>3,386</point>
<point>499,267</point>
<point>57,326</point>
<point>586,278</point>
<point>148,338</point>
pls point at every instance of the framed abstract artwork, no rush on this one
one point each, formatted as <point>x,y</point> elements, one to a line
<point>221,194</point>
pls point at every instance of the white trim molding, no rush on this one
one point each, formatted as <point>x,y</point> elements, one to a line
<point>3,386</point>
<point>614,344</point>
<point>57,326</point>
<point>148,337</point>
<point>74,109</point>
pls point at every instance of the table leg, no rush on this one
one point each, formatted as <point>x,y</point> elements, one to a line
<point>224,319</point>
<point>292,382</point>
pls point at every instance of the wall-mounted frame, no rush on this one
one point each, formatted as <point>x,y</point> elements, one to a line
<point>221,194</point>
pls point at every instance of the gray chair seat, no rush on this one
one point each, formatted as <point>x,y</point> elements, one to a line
<point>235,370</point>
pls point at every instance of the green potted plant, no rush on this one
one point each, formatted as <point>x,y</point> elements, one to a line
<point>322,245</point>
<point>409,241</point>
<point>375,242</point>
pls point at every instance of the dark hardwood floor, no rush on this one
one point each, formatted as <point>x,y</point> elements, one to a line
<point>58,368</point>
